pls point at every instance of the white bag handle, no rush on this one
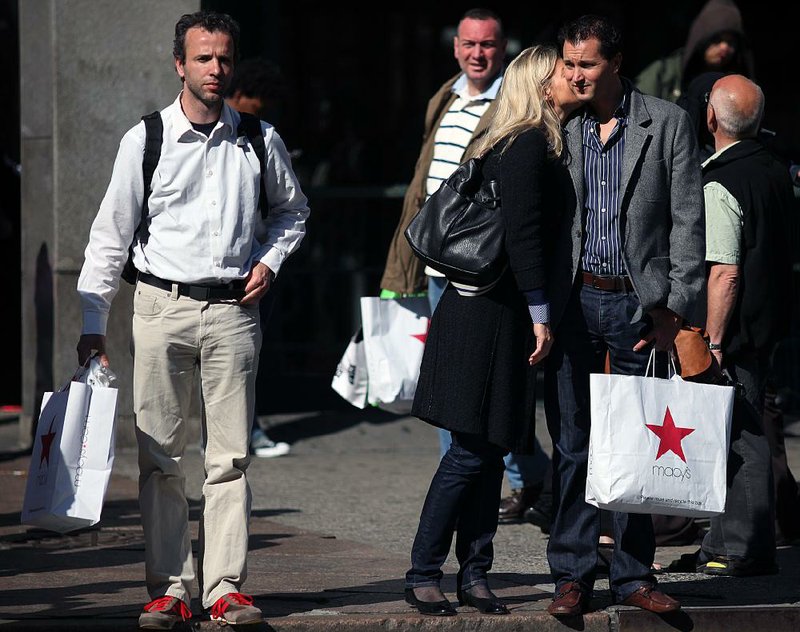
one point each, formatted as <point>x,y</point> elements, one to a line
<point>79,373</point>
<point>651,364</point>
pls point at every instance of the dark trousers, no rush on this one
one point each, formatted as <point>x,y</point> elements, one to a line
<point>595,322</point>
<point>787,495</point>
<point>747,528</point>
<point>464,497</point>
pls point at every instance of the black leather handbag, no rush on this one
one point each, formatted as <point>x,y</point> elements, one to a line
<point>459,230</point>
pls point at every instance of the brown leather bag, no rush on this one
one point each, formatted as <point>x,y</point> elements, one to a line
<point>693,360</point>
<point>692,357</point>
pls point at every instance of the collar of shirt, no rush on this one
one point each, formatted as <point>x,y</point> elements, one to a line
<point>720,152</point>
<point>181,125</point>
<point>460,88</point>
<point>621,111</point>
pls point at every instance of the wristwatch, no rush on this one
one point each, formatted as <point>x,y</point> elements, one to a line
<point>713,346</point>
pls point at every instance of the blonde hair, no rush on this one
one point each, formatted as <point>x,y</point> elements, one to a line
<point>521,102</point>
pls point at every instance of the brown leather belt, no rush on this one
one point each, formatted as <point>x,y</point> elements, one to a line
<point>608,283</point>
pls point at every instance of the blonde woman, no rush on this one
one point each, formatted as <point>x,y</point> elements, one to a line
<point>478,373</point>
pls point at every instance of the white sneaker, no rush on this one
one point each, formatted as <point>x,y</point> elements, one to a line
<point>261,445</point>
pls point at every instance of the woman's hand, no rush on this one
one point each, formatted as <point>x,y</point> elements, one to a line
<point>544,340</point>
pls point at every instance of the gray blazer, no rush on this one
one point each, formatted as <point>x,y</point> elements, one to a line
<point>662,211</point>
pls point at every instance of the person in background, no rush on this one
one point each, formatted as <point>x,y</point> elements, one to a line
<point>716,43</point>
<point>478,372</point>
<point>208,259</point>
<point>748,201</point>
<point>257,88</point>
<point>635,172</point>
<point>671,529</point>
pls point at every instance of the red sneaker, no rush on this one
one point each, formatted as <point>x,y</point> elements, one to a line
<point>163,613</point>
<point>236,609</point>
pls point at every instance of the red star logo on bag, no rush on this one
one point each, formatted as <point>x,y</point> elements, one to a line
<point>424,336</point>
<point>47,441</point>
<point>671,436</point>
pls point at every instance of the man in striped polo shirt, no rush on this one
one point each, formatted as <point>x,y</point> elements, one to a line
<point>457,115</point>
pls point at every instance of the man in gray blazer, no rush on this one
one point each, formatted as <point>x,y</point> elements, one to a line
<point>628,271</point>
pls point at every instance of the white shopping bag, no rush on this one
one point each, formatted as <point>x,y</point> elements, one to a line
<point>394,339</point>
<point>657,445</point>
<point>350,379</point>
<point>72,457</point>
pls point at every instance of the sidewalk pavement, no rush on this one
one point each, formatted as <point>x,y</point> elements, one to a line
<point>331,529</point>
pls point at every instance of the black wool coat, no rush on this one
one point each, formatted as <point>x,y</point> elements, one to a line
<point>475,377</point>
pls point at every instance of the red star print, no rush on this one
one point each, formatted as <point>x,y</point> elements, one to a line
<point>671,436</point>
<point>47,441</point>
<point>424,336</point>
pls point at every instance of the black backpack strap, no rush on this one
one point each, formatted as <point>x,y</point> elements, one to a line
<point>250,126</point>
<point>154,133</point>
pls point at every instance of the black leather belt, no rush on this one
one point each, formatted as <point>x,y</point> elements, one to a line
<point>608,283</point>
<point>224,292</point>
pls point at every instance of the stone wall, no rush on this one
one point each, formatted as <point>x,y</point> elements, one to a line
<point>89,69</point>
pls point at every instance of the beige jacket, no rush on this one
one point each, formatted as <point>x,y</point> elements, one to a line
<point>404,272</point>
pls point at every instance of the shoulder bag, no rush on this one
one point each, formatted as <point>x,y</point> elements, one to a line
<point>459,230</point>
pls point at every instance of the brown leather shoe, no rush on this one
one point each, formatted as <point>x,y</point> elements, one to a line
<point>649,598</point>
<point>512,507</point>
<point>570,600</point>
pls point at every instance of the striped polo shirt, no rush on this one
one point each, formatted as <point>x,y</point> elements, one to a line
<point>456,129</point>
<point>454,133</point>
<point>602,176</point>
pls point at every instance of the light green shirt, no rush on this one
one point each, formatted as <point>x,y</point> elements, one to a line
<point>724,221</point>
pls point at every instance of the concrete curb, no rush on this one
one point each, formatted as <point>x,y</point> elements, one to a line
<point>775,619</point>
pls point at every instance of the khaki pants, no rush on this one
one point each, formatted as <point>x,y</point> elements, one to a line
<point>174,337</point>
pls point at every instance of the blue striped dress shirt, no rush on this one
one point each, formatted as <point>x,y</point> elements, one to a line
<point>602,174</point>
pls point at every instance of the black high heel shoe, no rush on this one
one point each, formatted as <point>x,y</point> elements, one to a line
<point>432,608</point>
<point>486,605</point>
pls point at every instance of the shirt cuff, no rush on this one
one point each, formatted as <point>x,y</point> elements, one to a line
<point>95,323</point>
<point>273,259</point>
<point>538,306</point>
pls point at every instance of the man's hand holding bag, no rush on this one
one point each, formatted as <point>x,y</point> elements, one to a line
<point>72,455</point>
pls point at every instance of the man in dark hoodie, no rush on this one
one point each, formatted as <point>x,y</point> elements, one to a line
<point>716,43</point>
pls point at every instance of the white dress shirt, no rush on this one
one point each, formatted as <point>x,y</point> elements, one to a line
<point>204,222</point>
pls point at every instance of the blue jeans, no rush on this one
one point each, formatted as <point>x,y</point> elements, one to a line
<point>522,469</point>
<point>464,496</point>
<point>436,286</point>
<point>594,322</point>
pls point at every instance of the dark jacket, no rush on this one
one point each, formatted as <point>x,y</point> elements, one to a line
<point>475,376</point>
<point>761,185</point>
<point>669,76</point>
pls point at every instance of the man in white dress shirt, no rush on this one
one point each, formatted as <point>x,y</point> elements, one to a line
<point>207,258</point>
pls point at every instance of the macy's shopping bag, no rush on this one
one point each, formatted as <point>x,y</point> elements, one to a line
<point>350,379</point>
<point>72,457</point>
<point>394,339</point>
<point>658,445</point>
